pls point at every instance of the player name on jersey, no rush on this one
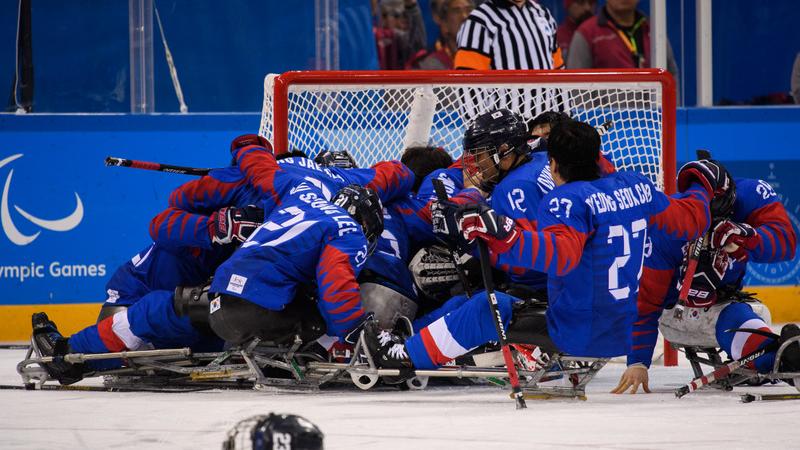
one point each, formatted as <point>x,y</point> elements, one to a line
<point>623,198</point>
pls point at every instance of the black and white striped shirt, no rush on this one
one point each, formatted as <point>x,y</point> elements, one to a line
<point>512,37</point>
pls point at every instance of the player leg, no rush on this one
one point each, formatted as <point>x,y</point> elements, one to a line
<point>151,322</point>
<point>239,321</point>
<point>451,335</point>
<point>739,315</point>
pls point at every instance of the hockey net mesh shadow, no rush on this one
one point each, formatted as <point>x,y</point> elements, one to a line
<point>376,122</point>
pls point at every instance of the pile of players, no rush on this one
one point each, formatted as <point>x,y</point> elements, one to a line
<point>587,258</point>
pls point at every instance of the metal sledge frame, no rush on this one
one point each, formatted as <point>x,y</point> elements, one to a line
<point>249,366</point>
<point>711,356</point>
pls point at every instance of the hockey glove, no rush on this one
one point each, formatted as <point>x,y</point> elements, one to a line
<point>483,222</point>
<point>735,238</point>
<point>711,267</point>
<point>711,174</point>
<point>250,139</point>
<point>444,218</point>
<point>232,224</point>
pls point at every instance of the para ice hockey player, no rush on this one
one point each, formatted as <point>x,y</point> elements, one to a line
<point>189,246</point>
<point>749,224</point>
<point>589,228</point>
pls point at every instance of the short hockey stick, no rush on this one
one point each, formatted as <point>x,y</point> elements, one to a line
<point>147,165</point>
<point>728,368</point>
<point>747,398</point>
<point>441,195</point>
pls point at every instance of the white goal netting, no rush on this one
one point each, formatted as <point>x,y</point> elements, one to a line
<point>376,116</point>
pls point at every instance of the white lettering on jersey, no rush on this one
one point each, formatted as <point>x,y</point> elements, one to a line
<point>765,190</point>
<point>516,198</point>
<point>638,231</point>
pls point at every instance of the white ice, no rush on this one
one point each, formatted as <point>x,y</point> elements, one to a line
<point>454,417</point>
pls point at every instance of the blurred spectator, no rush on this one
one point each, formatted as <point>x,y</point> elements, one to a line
<point>400,32</point>
<point>796,79</point>
<point>448,15</point>
<point>508,34</point>
<point>577,12</point>
<point>618,36</point>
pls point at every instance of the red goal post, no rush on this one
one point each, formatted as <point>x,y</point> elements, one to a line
<point>376,114</point>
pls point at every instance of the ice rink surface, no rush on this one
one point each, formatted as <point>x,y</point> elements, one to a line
<point>475,417</point>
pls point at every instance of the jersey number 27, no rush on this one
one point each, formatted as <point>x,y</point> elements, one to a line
<point>638,234</point>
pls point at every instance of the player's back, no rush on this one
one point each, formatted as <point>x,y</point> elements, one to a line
<point>287,249</point>
<point>389,179</point>
<point>592,307</point>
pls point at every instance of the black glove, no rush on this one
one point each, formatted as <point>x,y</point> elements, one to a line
<point>711,267</point>
<point>445,216</point>
<point>711,174</point>
<point>231,224</point>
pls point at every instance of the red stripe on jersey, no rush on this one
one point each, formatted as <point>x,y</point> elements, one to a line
<point>106,332</point>
<point>569,246</point>
<point>355,315</point>
<point>388,176</point>
<point>606,166</point>
<point>653,288</point>
<point>171,223</point>
<point>338,282</point>
<point>684,218</point>
<point>431,348</point>
<point>184,221</point>
<point>260,167</point>
<point>775,215</point>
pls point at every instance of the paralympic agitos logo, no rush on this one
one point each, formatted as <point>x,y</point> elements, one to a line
<point>11,230</point>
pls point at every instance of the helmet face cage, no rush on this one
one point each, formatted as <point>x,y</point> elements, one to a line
<point>363,205</point>
<point>336,158</point>
<point>489,138</point>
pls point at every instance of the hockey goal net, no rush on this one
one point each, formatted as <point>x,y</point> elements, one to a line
<point>375,115</point>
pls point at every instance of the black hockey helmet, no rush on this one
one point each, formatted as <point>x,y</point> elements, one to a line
<point>336,158</point>
<point>489,138</point>
<point>268,432</point>
<point>721,205</point>
<point>363,205</point>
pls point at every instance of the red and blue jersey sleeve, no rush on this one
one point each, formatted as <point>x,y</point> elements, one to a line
<point>175,227</point>
<point>206,194</point>
<point>657,291</point>
<point>759,206</point>
<point>390,180</point>
<point>262,172</point>
<point>681,216</point>
<point>565,223</point>
<point>339,264</point>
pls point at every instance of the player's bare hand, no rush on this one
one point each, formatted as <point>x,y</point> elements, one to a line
<point>633,377</point>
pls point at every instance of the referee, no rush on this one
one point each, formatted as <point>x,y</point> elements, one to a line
<point>508,35</point>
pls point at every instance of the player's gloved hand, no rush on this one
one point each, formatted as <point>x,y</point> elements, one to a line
<point>711,267</point>
<point>250,139</point>
<point>481,221</point>
<point>633,377</point>
<point>444,219</point>
<point>735,238</point>
<point>711,174</point>
<point>232,224</point>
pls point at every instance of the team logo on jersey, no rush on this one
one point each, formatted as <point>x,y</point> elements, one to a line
<point>13,233</point>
